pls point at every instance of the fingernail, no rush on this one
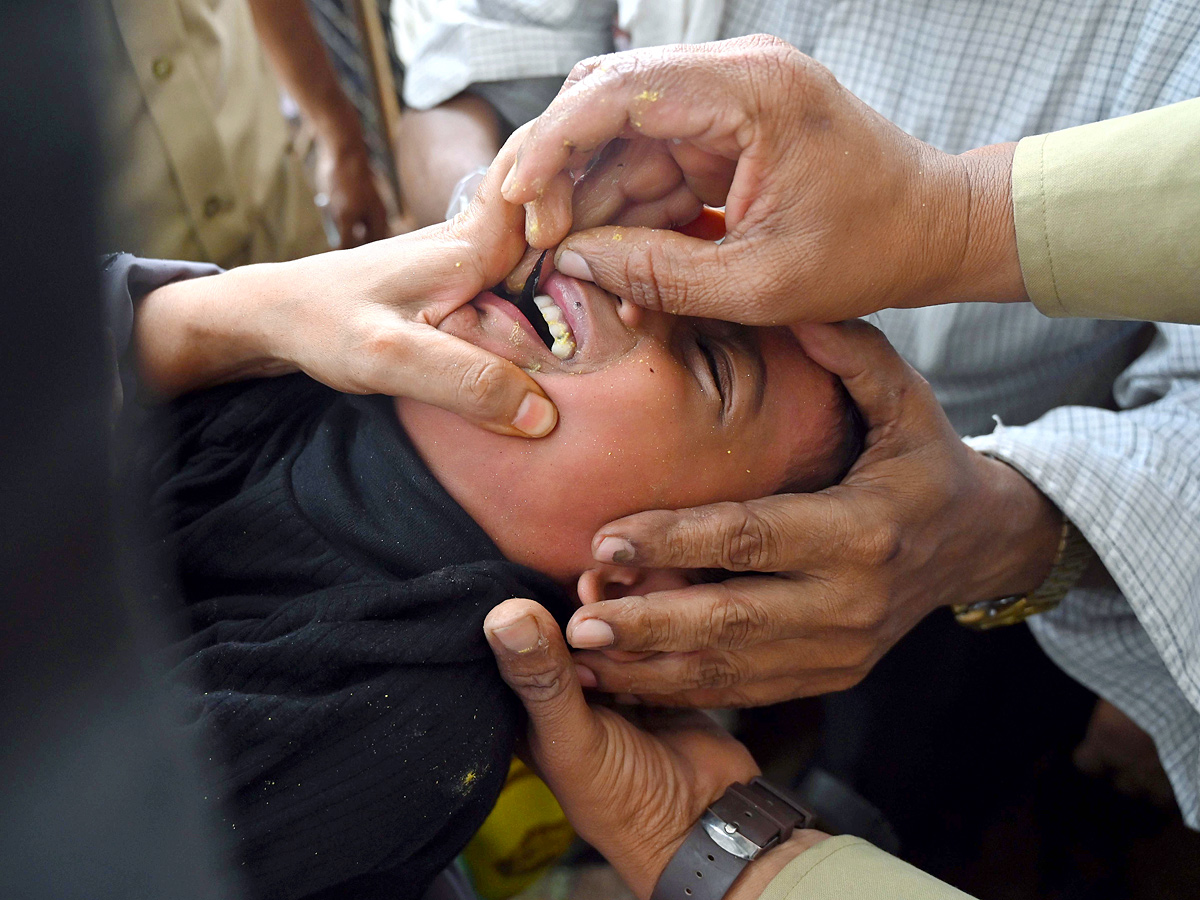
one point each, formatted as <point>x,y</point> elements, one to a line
<point>520,636</point>
<point>614,550</point>
<point>591,634</point>
<point>536,416</point>
<point>571,263</point>
<point>586,676</point>
<point>510,181</point>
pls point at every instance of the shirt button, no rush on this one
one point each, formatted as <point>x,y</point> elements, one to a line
<point>162,67</point>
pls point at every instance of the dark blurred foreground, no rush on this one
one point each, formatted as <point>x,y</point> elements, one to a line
<point>96,800</point>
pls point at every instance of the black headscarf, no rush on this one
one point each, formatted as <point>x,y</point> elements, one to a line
<point>336,662</point>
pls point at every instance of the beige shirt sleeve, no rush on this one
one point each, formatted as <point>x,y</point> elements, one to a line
<point>202,165</point>
<point>849,868</point>
<point>1108,217</point>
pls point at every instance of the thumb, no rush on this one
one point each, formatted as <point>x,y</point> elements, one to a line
<point>534,661</point>
<point>446,371</point>
<point>664,270</point>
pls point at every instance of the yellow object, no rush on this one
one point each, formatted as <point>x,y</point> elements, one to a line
<point>520,840</point>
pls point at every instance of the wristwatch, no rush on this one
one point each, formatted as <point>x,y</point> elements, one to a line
<point>746,822</point>
<point>1073,556</point>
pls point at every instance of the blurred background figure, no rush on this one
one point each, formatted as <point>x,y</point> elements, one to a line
<point>204,166</point>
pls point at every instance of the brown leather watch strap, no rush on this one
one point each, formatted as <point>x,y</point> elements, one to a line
<point>744,823</point>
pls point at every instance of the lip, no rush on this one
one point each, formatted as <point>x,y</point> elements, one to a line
<point>575,305</point>
<point>496,305</point>
<point>601,335</point>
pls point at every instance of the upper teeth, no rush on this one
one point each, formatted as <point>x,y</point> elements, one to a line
<point>564,341</point>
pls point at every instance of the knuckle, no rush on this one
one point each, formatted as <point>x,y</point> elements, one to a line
<point>537,687</point>
<point>747,542</point>
<point>653,632</point>
<point>882,544</point>
<point>646,271</point>
<point>375,348</point>
<point>714,672</point>
<point>732,623</point>
<point>481,382</point>
<point>864,614</point>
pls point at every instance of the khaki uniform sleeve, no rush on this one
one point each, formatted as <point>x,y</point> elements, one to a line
<point>1108,217</point>
<point>849,868</point>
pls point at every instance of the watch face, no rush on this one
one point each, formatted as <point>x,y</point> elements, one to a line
<point>726,836</point>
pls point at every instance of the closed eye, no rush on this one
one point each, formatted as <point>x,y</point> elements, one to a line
<point>715,369</point>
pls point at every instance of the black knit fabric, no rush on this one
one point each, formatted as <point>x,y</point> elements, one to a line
<point>335,597</point>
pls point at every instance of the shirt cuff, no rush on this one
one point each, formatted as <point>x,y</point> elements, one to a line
<point>1105,217</point>
<point>846,868</point>
<point>124,280</point>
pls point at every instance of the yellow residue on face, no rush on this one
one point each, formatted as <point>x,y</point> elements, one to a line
<point>617,236</point>
<point>514,336</point>
<point>458,265</point>
<point>649,96</point>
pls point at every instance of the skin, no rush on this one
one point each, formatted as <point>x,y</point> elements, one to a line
<point>436,147</point>
<point>831,212</point>
<point>857,565</point>
<point>362,320</point>
<point>298,56</point>
<point>642,422</point>
<point>643,785</point>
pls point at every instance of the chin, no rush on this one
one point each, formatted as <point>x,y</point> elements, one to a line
<point>565,568</point>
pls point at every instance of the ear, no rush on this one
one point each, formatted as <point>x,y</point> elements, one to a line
<point>606,582</point>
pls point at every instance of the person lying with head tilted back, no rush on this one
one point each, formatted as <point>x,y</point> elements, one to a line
<point>337,555</point>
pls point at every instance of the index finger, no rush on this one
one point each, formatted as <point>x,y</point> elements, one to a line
<point>785,532</point>
<point>731,615</point>
<point>661,92</point>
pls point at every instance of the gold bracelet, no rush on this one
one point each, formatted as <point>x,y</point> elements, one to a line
<point>1073,556</point>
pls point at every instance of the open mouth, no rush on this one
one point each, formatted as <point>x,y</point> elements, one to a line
<point>543,314</point>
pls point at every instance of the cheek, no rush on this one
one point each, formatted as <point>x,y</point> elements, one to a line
<point>625,441</point>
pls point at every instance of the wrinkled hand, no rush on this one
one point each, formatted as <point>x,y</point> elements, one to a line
<point>831,210</point>
<point>632,182</point>
<point>920,521</point>
<point>632,792</point>
<point>354,201</point>
<point>362,321</point>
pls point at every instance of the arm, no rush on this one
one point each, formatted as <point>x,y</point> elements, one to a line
<point>437,147</point>
<point>1106,217</point>
<point>770,134</point>
<point>362,320</point>
<point>298,57</point>
<point>512,58</point>
<point>1129,479</point>
<point>646,786</point>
